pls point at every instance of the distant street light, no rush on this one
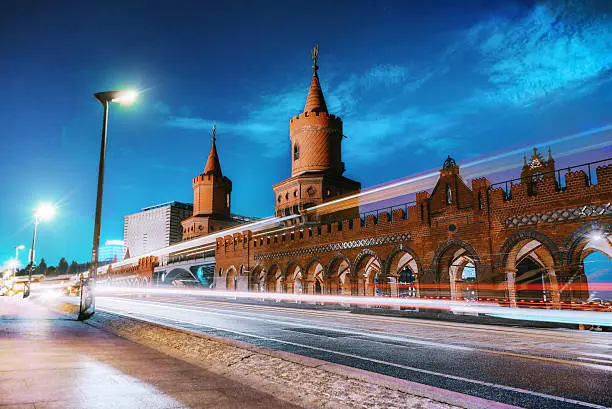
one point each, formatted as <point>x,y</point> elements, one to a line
<point>17,248</point>
<point>43,212</point>
<point>16,263</point>
<point>88,307</point>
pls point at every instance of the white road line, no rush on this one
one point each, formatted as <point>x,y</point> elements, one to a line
<point>597,355</point>
<point>595,360</point>
<point>410,368</point>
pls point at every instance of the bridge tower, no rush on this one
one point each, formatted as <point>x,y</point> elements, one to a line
<point>211,198</point>
<point>316,156</point>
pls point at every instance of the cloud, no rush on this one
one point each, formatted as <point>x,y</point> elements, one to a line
<point>556,51</point>
<point>375,135</point>
<point>267,122</point>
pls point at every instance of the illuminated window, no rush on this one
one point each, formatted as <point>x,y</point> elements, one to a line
<point>449,195</point>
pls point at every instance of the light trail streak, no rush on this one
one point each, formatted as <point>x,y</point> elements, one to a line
<point>488,308</point>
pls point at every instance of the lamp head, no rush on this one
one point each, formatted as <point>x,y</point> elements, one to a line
<point>45,211</point>
<point>126,97</point>
<point>20,247</point>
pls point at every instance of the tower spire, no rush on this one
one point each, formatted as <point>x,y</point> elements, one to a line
<point>213,166</point>
<point>315,102</point>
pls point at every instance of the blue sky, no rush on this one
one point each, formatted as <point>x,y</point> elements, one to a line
<point>413,83</point>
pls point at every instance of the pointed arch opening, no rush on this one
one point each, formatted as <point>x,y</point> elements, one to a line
<point>403,270</point>
<point>457,266</point>
<point>371,281</point>
<point>313,277</point>
<point>274,280</point>
<point>589,263</point>
<point>295,278</point>
<point>230,279</point>
<point>531,270</point>
<point>340,279</point>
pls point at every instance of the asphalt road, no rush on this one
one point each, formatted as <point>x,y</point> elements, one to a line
<point>531,368</point>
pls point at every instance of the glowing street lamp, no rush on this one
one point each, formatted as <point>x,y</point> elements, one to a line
<point>87,307</point>
<point>17,248</point>
<point>43,212</point>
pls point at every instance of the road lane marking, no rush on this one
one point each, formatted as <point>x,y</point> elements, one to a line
<point>597,355</point>
<point>406,367</point>
<point>595,360</point>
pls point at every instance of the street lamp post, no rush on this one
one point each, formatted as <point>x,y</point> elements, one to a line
<point>43,212</point>
<point>88,305</point>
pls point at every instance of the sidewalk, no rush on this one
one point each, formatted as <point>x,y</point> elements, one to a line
<point>50,361</point>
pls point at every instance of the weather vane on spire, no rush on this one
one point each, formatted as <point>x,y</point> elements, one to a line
<point>214,132</point>
<point>315,56</point>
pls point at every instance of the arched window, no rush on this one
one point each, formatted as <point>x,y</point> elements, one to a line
<point>449,195</point>
<point>296,152</point>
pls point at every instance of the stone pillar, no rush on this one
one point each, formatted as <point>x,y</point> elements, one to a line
<point>289,286</point>
<point>511,284</point>
<point>308,287</point>
<point>554,289</point>
<point>393,289</point>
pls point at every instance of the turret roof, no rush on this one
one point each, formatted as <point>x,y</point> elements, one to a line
<point>213,166</point>
<point>315,102</point>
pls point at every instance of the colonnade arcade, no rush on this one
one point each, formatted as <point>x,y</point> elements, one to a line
<point>528,269</point>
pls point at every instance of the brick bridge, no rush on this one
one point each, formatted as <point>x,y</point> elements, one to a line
<point>522,241</point>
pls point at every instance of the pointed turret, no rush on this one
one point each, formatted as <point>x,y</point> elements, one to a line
<point>213,166</point>
<point>211,198</point>
<point>316,160</point>
<point>315,102</point>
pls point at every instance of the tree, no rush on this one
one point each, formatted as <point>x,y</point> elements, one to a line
<point>41,268</point>
<point>62,266</point>
<point>51,272</point>
<point>74,268</point>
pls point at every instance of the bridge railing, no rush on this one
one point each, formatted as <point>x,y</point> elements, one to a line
<point>589,169</point>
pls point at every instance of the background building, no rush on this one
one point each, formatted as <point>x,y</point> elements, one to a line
<point>154,227</point>
<point>112,250</point>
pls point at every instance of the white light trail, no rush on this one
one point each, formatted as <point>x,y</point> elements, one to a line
<point>488,308</point>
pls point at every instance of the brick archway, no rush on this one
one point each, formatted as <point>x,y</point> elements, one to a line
<point>577,239</point>
<point>230,279</point>
<point>444,260</point>
<point>340,282</point>
<point>398,286</point>
<point>546,263</point>
<point>294,277</point>
<point>275,278</point>
<point>578,246</point>
<point>313,281</point>
<point>523,235</point>
<point>366,285</point>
